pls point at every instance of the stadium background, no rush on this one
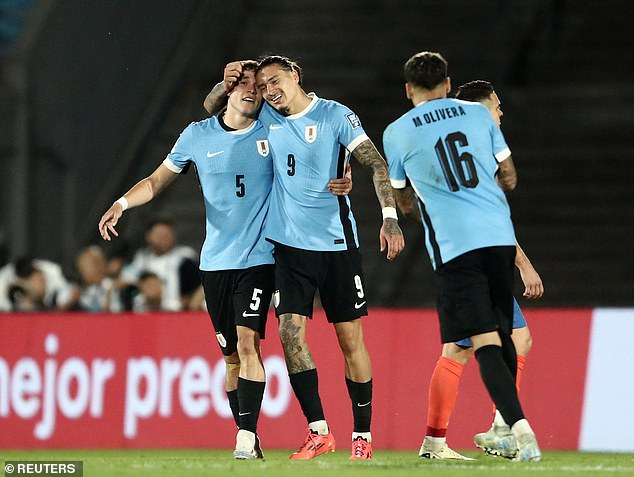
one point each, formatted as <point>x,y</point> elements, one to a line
<point>93,95</point>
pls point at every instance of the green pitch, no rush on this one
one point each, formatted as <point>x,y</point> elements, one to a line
<point>212,463</point>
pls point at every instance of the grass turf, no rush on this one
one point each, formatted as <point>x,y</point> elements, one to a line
<point>175,463</point>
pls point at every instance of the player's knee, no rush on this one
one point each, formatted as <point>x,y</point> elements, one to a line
<point>246,346</point>
<point>523,341</point>
<point>350,342</point>
<point>456,353</point>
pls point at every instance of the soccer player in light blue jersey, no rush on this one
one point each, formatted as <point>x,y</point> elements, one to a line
<point>454,157</point>
<point>443,386</point>
<point>316,243</point>
<point>315,237</point>
<point>232,158</point>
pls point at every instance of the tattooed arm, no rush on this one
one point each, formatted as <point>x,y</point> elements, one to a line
<point>216,100</point>
<point>406,200</point>
<point>390,235</point>
<point>506,175</point>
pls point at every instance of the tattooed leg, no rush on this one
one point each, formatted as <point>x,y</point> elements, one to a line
<point>292,329</point>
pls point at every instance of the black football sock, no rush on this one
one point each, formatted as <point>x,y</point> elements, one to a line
<point>499,382</point>
<point>250,395</point>
<point>233,404</point>
<point>306,388</point>
<point>509,353</point>
<point>361,397</point>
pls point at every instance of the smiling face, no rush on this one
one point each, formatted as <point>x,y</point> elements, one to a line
<point>245,97</point>
<point>280,88</point>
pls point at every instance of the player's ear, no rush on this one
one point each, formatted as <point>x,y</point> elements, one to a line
<point>448,84</point>
<point>408,91</point>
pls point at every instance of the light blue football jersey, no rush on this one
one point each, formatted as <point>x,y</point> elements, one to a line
<point>309,149</point>
<point>449,151</point>
<point>235,171</point>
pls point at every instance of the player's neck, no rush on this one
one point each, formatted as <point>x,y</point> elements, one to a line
<point>420,95</point>
<point>300,102</point>
<point>237,120</point>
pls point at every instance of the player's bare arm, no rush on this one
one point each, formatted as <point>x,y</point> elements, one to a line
<point>216,100</point>
<point>533,286</point>
<point>141,193</point>
<point>406,200</point>
<point>507,176</point>
<point>390,235</point>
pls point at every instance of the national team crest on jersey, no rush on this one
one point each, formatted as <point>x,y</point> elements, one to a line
<point>311,133</point>
<point>263,147</point>
<point>353,119</point>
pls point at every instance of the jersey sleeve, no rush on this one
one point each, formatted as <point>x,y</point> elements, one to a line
<point>398,179</point>
<point>348,128</point>
<point>181,154</point>
<point>500,148</point>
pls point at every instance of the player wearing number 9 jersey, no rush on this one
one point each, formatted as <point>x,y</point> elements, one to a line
<point>316,245</point>
<point>456,160</point>
<point>310,147</point>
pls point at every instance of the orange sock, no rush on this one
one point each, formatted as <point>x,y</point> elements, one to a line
<point>521,361</point>
<point>443,392</point>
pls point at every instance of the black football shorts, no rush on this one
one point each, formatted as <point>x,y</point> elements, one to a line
<point>337,275</point>
<point>238,297</point>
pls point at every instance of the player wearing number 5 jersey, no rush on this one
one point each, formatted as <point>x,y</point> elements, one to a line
<point>233,161</point>
<point>456,160</point>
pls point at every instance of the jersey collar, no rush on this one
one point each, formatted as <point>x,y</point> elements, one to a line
<point>230,130</point>
<point>305,111</point>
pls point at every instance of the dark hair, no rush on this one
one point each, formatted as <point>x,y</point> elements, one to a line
<point>24,267</point>
<point>477,90</point>
<point>249,65</point>
<point>284,62</point>
<point>426,69</point>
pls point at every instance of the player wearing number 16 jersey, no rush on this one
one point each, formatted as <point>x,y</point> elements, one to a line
<point>450,151</point>
<point>455,158</point>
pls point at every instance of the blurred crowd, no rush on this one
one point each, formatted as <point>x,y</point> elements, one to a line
<point>160,276</point>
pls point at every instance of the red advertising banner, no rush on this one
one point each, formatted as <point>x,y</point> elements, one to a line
<point>157,381</point>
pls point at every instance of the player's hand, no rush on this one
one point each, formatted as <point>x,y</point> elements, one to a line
<point>391,237</point>
<point>341,186</point>
<point>533,286</point>
<point>109,221</point>
<point>232,75</point>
